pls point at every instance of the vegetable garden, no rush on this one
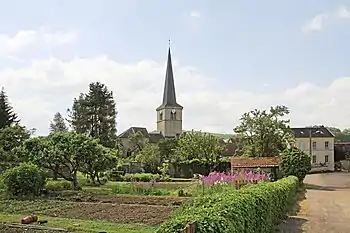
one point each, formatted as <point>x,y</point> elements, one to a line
<point>215,203</point>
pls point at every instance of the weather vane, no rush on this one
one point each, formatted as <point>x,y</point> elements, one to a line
<point>169,42</point>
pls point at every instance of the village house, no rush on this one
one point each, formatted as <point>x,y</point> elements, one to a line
<point>318,143</point>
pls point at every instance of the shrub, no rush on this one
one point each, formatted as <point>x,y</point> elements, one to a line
<point>115,175</point>
<point>295,162</point>
<point>254,208</point>
<point>24,180</point>
<point>58,185</point>
<point>144,177</point>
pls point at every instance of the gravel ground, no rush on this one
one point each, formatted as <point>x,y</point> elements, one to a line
<point>326,208</point>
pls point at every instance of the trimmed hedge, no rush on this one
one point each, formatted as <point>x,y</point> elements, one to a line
<point>58,185</point>
<point>138,177</point>
<point>253,209</point>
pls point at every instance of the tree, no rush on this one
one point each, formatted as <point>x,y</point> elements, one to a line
<point>167,148</point>
<point>94,114</point>
<point>295,162</point>
<point>70,151</point>
<point>7,116</point>
<point>58,124</point>
<point>340,136</point>
<point>11,137</point>
<point>198,145</point>
<point>97,159</point>
<point>151,158</point>
<point>138,140</point>
<point>265,134</point>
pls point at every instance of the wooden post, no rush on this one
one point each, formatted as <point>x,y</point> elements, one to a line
<point>191,228</point>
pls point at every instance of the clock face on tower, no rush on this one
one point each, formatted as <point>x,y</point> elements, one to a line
<point>173,111</point>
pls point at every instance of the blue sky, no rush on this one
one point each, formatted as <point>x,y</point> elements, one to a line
<point>252,46</point>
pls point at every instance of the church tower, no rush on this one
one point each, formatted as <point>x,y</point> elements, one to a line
<point>169,113</point>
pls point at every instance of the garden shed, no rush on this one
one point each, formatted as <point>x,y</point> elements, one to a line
<point>266,164</point>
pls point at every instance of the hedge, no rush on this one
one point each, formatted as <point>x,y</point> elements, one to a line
<point>253,209</point>
<point>138,177</point>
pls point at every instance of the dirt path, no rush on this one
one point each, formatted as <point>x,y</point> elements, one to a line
<point>326,208</point>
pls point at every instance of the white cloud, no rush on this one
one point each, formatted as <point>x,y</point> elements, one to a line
<point>317,23</point>
<point>195,14</point>
<point>46,86</point>
<point>24,39</point>
<point>320,21</point>
<point>343,13</point>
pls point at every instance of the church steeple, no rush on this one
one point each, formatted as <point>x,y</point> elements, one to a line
<point>169,95</point>
<point>169,113</point>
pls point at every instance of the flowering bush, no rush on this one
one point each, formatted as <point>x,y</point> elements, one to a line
<point>243,177</point>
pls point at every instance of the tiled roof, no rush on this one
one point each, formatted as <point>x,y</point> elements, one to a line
<point>133,130</point>
<point>229,149</point>
<point>246,162</point>
<point>155,137</point>
<point>316,132</point>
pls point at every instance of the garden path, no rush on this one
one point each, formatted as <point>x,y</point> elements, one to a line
<point>326,208</point>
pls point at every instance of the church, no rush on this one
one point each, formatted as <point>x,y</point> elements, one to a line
<point>169,116</point>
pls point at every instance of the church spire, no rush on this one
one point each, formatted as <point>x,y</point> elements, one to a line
<point>169,96</point>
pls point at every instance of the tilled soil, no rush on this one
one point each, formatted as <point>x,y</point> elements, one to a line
<point>145,200</point>
<point>147,210</point>
<point>118,213</point>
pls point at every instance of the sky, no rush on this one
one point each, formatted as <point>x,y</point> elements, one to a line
<point>229,57</point>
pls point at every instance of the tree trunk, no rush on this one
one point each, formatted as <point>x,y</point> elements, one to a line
<point>55,172</point>
<point>75,180</point>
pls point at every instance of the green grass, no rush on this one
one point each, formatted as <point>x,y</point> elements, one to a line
<point>141,188</point>
<point>82,226</point>
<point>37,206</point>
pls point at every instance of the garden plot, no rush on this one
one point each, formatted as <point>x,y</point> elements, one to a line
<point>118,209</point>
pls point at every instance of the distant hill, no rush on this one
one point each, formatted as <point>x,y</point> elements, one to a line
<point>219,135</point>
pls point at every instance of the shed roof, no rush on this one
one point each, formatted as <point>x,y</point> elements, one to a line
<point>246,162</point>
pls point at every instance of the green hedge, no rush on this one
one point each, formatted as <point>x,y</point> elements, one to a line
<point>253,209</point>
<point>58,185</point>
<point>138,177</point>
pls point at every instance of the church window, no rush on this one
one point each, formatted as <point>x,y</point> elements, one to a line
<point>173,115</point>
<point>160,116</point>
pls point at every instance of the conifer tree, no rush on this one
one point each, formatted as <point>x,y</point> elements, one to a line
<point>58,124</point>
<point>94,114</point>
<point>7,116</point>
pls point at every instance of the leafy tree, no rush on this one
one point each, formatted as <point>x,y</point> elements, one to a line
<point>23,180</point>
<point>96,159</point>
<point>198,145</point>
<point>138,140</point>
<point>263,133</point>
<point>7,116</point>
<point>340,136</point>
<point>58,124</point>
<point>295,162</point>
<point>151,158</point>
<point>167,148</point>
<point>11,137</point>
<point>239,144</point>
<point>70,152</point>
<point>94,114</point>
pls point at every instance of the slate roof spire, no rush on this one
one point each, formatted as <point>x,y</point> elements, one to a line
<point>169,95</point>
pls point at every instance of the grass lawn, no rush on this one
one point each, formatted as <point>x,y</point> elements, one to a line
<point>76,225</point>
